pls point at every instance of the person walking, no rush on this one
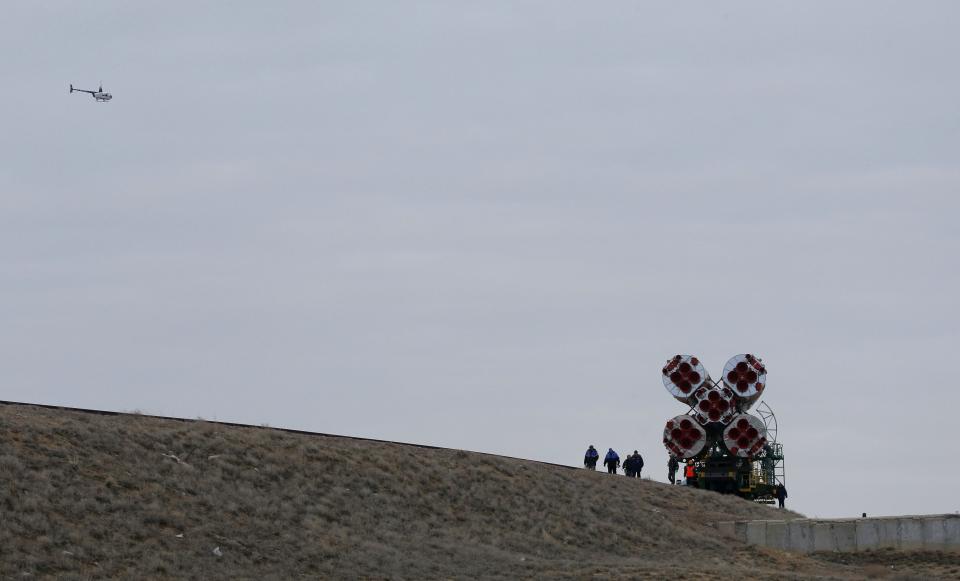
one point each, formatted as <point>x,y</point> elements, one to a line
<point>611,461</point>
<point>590,458</point>
<point>628,468</point>
<point>781,494</point>
<point>672,467</point>
<point>637,463</point>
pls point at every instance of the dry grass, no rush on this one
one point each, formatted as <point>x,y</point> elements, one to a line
<point>84,495</point>
<point>894,565</point>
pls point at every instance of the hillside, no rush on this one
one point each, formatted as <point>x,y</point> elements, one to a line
<point>86,495</point>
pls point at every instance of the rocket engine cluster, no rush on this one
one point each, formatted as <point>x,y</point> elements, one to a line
<point>718,411</point>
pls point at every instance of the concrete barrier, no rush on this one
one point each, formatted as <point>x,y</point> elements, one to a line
<point>888,531</point>
<point>740,531</point>
<point>757,532</point>
<point>911,533</point>
<point>823,539</point>
<point>933,532</point>
<point>800,536</point>
<point>845,535</point>
<point>777,534</point>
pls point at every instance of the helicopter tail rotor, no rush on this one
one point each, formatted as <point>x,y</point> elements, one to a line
<point>71,88</point>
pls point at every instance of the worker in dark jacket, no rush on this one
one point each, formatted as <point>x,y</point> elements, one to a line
<point>590,458</point>
<point>611,461</point>
<point>637,463</point>
<point>672,467</point>
<point>629,467</point>
<point>781,494</point>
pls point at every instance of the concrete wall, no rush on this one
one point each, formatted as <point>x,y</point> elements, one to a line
<point>933,532</point>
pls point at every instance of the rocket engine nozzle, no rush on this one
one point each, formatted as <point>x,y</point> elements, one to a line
<point>746,376</point>
<point>683,375</point>
<point>714,405</point>
<point>745,436</point>
<point>684,437</point>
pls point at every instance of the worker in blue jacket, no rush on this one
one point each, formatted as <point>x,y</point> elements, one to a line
<point>590,458</point>
<point>611,461</point>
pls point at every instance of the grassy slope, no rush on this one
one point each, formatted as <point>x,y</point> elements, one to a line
<point>89,495</point>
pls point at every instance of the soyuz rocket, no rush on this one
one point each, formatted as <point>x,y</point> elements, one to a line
<point>718,416</point>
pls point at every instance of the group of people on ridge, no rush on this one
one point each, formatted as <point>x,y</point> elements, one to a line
<point>632,464</point>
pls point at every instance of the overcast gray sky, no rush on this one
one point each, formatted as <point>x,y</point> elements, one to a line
<point>487,225</point>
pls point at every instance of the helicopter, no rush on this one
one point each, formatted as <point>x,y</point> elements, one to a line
<point>98,95</point>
